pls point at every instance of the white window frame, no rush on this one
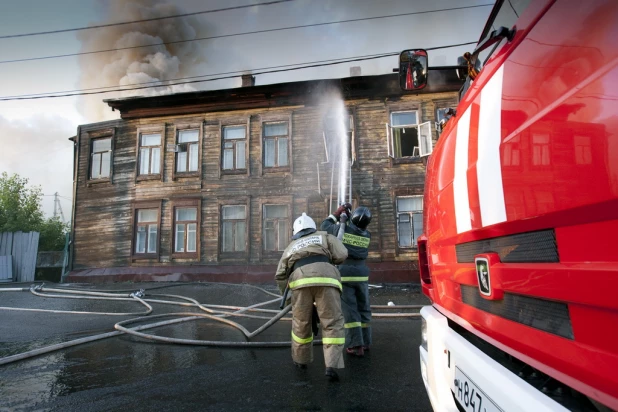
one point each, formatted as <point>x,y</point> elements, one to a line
<point>423,130</point>
<point>100,155</point>
<point>410,213</point>
<point>149,226</point>
<point>150,148</point>
<point>191,147</point>
<point>276,145</point>
<point>185,225</point>
<point>352,131</point>
<point>235,151</point>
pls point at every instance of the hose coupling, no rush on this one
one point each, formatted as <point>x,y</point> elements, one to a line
<point>138,294</point>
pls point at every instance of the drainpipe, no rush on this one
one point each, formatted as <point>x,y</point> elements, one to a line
<point>76,147</point>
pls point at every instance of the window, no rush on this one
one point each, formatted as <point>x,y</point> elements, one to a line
<point>101,156</point>
<point>234,147</point>
<point>540,149</point>
<point>146,231</point>
<point>276,235</point>
<point>187,151</point>
<point>441,114</point>
<point>330,134</point>
<point>512,154</point>
<point>409,220</point>
<point>185,230</point>
<point>583,150</point>
<point>276,137</point>
<point>406,138</point>
<point>149,154</point>
<point>234,228</point>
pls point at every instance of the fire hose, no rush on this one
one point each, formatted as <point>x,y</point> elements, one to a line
<point>217,313</point>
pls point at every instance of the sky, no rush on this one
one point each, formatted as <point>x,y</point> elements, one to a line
<point>34,133</point>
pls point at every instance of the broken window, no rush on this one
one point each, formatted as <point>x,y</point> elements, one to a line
<point>234,228</point>
<point>146,231</point>
<point>409,220</point>
<point>100,158</point>
<point>187,151</point>
<point>150,154</point>
<point>276,233</point>
<point>233,157</point>
<point>405,134</point>
<point>441,114</point>
<point>276,138</point>
<point>332,128</point>
<point>406,138</point>
<point>185,230</point>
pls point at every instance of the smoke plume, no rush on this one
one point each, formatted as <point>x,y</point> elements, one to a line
<point>138,65</point>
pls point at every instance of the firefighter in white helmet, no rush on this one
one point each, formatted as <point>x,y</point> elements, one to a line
<point>307,268</point>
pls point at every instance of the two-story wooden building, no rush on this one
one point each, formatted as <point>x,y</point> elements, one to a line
<point>206,185</point>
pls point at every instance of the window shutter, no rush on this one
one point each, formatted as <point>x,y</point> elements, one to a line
<point>424,138</point>
<point>389,140</point>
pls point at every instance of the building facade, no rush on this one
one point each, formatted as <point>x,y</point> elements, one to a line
<point>206,185</point>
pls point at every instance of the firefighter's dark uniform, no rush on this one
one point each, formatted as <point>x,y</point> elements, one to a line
<point>355,279</point>
<point>313,278</point>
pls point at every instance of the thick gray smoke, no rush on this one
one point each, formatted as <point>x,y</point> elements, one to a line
<point>132,66</point>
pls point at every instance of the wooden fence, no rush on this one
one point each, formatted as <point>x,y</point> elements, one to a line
<point>20,251</point>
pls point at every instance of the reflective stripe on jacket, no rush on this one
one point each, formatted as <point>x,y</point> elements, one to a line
<point>314,274</point>
<point>355,240</point>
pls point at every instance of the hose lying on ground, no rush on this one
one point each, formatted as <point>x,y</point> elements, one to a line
<point>214,312</point>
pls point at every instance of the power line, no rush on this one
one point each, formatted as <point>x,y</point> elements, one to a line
<point>197,77</point>
<point>10,36</point>
<point>318,64</point>
<point>241,34</point>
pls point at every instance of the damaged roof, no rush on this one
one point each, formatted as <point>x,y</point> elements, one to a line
<point>276,95</point>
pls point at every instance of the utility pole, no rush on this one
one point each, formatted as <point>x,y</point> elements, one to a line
<point>58,207</point>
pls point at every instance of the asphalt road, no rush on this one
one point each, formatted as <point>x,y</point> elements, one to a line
<point>128,373</point>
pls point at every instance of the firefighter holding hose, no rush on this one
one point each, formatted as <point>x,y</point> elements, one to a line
<point>354,274</point>
<point>307,270</point>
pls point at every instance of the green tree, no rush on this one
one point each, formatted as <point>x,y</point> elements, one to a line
<point>20,210</point>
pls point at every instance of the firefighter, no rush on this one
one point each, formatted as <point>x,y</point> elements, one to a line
<point>307,269</point>
<point>354,275</point>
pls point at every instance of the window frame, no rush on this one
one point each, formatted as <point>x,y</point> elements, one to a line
<point>180,127</point>
<point>234,254</point>
<point>414,244</point>
<point>138,145</point>
<point>99,135</point>
<point>270,254</point>
<point>135,208</point>
<point>186,203</point>
<point>390,139</point>
<point>277,168</point>
<point>234,171</point>
<point>351,110</point>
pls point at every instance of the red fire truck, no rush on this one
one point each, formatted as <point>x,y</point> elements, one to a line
<point>520,248</point>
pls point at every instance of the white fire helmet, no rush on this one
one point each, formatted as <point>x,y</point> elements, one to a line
<point>303,222</point>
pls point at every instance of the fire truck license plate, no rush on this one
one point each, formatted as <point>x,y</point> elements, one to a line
<point>469,396</point>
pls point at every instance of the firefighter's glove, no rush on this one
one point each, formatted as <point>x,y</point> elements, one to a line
<point>344,208</point>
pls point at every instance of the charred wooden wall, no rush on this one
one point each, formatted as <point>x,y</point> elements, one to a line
<point>103,219</point>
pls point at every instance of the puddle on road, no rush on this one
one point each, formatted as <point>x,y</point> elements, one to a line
<point>118,361</point>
